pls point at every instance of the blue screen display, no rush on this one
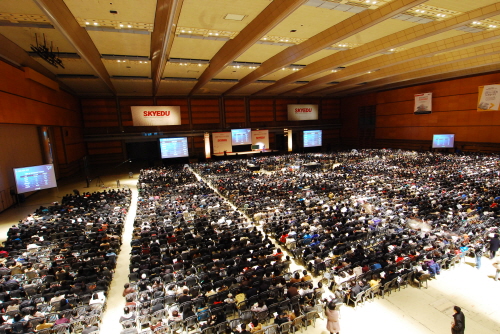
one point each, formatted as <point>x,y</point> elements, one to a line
<point>312,138</point>
<point>174,147</point>
<point>35,178</point>
<point>241,136</point>
<point>443,141</point>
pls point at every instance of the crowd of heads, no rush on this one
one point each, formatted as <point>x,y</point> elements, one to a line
<point>194,256</point>
<point>58,259</point>
<point>370,209</point>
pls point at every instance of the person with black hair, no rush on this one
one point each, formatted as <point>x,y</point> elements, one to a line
<point>332,318</point>
<point>458,324</point>
<point>494,245</point>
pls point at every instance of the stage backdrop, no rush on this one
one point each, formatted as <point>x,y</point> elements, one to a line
<point>261,138</point>
<point>222,142</point>
<point>156,115</point>
<point>488,98</point>
<point>423,103</point>
<point>302,112</point>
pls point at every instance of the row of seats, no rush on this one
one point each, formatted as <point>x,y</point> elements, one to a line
<point>58,263</point>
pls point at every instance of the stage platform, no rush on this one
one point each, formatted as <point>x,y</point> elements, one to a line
<point>219,154</point>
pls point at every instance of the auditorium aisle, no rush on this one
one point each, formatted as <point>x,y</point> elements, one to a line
<point>409,311</point>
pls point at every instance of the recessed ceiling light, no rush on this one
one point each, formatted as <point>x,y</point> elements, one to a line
<point>121,25</point>
<point>95,23</point>
<point>140,62</point>
<point>216,34</point>
<point>129,26</point>
<point>210,33</point>
<point>87,23</point>
<point>119,61</point>
<point>265,38</point>
<point>189,31</point>
<point>235,17</point>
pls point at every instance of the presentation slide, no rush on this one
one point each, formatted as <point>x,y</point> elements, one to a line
<point>241,137</point>
<point>312,138</point>
<point>174,147</point>
<point>35,178</point>
<point>443,141</point>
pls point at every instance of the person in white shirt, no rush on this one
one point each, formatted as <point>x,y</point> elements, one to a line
<point>97,298</point>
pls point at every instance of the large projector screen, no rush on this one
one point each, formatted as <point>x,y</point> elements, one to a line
<point>174,147</point>
<point>443,141</point>
<point>241,137</point>
<point>312,138</point>
<point>35,178</point>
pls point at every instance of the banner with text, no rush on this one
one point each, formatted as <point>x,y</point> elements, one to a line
<point>261,138</point>
<point>302,112</point>
<point>423,103</point>
<point>222,142</point>
<point>489,98</point>
<point>156,115</point>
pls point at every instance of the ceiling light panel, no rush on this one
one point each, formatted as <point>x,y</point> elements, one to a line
<point>115,24</point>
<point>133,11</point>
<point>234,17</point>
<point>294,26</point>
<point>210,14</point>
<point>16,18</point>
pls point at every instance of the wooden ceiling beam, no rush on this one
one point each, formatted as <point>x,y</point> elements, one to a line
<point>467,66</point>
<point>162,38</point>
<point>64,21</point>
<point>269,18</point>
<point>423,52</point>
<point>421,64</point>
<point>383,44</point>
<point>326,38</point>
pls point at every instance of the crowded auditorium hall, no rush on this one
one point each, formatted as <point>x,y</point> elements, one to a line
<point>237,167</point>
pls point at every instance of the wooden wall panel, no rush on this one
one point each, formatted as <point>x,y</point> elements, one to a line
<point>99,113</point>
<point>261,110</point>
<point>25,101</point>
<point>104,147</point>
<point>205,111</point>
<point>349,108</point>
<point>330,109</point>
<point>454,111</point>
<point>235,110</point>
<point>282,108</point>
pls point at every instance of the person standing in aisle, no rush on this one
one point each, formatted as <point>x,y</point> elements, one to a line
<point>332,318</point>
<point>478,252</point>
<point>496,264</point>
<point>458,324</point>
<point>494,245</point>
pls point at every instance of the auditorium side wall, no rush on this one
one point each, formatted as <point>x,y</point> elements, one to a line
<point>453,111</point>
<point>29,100</point>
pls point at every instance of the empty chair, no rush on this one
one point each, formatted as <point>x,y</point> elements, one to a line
<point>311,318</point>
<point>286,327</point>
<point>272,329</point>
